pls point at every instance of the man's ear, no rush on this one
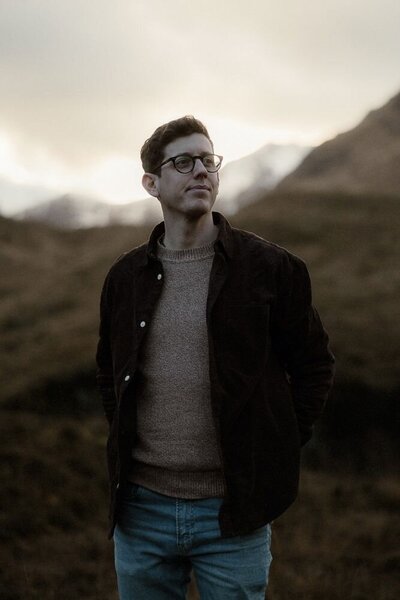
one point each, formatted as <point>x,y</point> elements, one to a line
<point>149,182</point>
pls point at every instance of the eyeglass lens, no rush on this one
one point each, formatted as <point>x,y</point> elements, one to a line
<point>185,164</point>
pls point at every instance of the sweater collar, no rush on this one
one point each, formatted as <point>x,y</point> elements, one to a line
<point>223,242</point>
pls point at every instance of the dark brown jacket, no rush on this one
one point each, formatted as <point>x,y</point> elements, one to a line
<point>270,367</point>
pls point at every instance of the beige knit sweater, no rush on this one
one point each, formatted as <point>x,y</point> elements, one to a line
<point>176,450</point>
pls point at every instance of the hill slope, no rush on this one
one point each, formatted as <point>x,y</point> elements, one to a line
<point>364,160</point>
<point>54,545</point>
<point>72,211</point>
<point>352,247</point>
<point>50,283</point>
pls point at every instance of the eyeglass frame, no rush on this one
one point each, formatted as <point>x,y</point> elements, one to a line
<point>173,158</point>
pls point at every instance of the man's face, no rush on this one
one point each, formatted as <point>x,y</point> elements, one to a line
<point>191,194</point>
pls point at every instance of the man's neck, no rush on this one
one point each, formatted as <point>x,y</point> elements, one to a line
<point>184,234</point>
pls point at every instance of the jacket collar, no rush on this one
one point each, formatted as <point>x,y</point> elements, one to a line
<point>223,242</point>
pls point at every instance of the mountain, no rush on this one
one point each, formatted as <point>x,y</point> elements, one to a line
<point>16,197</point>
<point>241,181</point>
<point>365,159</point>
<point>72,211</point>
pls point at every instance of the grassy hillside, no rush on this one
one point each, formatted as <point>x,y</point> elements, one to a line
<point>50,283</point>
<point>339,541</point>
<point>351,245</point>
<point>363,160</point>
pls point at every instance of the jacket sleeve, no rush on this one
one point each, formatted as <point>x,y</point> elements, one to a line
<point>302,345</point>
<point>104,374</point>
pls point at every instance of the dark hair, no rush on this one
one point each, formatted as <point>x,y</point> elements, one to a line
<point>152,152</point>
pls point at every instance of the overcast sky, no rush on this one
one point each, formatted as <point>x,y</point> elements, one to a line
<point>83,83</point>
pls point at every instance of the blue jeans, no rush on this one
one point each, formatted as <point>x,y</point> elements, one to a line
<point>158,541</point>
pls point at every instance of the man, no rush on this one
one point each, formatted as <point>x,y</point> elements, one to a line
<point>213,366</point>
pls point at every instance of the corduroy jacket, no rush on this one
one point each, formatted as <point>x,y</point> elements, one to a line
<point>269,362</point>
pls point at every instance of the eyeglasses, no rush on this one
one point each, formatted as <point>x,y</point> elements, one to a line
<point>184,163</point>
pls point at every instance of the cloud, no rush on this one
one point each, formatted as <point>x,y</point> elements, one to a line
<point>86,81</point>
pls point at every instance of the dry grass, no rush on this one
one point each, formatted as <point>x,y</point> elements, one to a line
<point>50,283</point>
<point>339,541</point>
<point>351,245</point>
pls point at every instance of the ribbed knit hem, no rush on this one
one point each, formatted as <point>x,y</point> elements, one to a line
<point>178,484</point>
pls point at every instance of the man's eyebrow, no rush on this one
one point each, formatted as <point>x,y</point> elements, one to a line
<point>191,154</point>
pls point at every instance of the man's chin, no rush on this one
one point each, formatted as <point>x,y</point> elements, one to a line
<point>199,210</point>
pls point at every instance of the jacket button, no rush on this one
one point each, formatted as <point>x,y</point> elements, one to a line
<point>127,377</point>
<point>143,324</point>
<point>159,276</point>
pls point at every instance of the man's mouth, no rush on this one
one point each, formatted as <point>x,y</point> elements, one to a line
<point>199,187</point>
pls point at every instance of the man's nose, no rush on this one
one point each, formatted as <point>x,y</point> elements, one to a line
<point>199,169</point>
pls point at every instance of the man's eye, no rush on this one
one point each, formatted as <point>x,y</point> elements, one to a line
<point>183,161</point>
<point>209,161</point>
